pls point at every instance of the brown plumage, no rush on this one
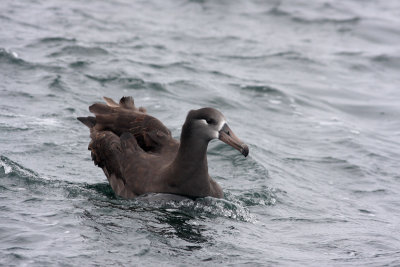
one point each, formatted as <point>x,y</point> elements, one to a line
<point>138,154</point>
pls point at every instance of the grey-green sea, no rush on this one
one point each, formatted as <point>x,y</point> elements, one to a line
<point>313,88</point>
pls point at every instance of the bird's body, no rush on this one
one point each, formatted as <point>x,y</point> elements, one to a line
<point>138,154</point>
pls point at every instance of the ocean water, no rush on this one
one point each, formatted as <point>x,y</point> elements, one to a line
<point>313,87</point>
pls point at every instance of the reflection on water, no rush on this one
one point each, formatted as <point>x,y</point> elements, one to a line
<point>180,225</point>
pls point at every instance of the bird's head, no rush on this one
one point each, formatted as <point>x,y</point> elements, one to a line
<point>209,123</point>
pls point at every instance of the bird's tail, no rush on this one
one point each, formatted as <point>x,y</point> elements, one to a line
<point>88,121</point>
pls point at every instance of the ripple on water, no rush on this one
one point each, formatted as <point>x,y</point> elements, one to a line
<point>199,208</point>
<point>77,50</point>
<point>58,84</point>
<point>14,62</point>
<point>49,42</point>
<point>265,197</point>
<point>208,207</point>
<point>13,128</point>
<point>10,168</point>
<point>12,58</point>
<point>126,82</point>
<point>389,61</point>
<point>262,89</point>
<point>319,18</point>
<point>338,202</point>
<point>80,64</point>
<point>58,39</point>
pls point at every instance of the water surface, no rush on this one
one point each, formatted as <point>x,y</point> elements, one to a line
<point>311,86</point>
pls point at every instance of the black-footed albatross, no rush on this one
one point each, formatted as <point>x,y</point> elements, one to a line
<point>138,154</point>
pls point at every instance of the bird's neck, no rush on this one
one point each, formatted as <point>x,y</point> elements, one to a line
<point>190,168</point>
<point>192,155</point>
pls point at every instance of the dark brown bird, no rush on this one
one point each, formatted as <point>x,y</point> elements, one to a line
<point>138,154</point>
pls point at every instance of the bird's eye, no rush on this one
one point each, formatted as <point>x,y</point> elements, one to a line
<point>210,121</point>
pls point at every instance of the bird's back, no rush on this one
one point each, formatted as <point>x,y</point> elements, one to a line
<point>125,141</point>
<point>150,133</point>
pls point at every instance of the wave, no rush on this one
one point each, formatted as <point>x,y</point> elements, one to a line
<point>13,170</point>
<point>351,20</point>
<point>370,62</point>
<point>79,64</point>
<point>47,40</point>
<point>202,207</point>
<point>390,61</point>
<point>263,58</point>
<point>102,194</point>
<point>263,197</point>
<point>12,129</point>
<point>12,58</point>
<point>167,65</point>
<point>77,50</point>
<point>262,89</point>
<point>310,220</point>
<point>277,11</point>
<point>127,82</point>
<point>209,207</point>
<point>58,84</point>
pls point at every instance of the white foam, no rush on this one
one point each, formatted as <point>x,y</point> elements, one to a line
<point>275,101</point>
<point>7,169</point>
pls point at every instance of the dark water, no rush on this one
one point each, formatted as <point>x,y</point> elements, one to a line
<point>311,86</point>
